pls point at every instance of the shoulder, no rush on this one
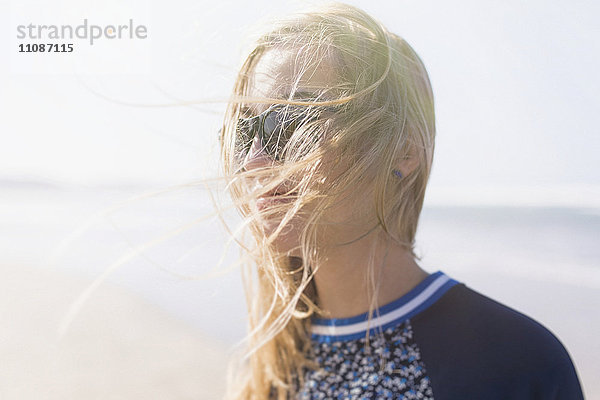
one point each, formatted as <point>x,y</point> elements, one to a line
<point>469,315</point>
<point>491,344</point>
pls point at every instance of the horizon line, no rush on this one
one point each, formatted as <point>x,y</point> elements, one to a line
<point>571,195</point>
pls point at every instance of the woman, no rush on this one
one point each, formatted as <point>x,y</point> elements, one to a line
<point>327,145</point>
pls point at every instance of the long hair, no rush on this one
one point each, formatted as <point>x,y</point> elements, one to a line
<point>377,111</point>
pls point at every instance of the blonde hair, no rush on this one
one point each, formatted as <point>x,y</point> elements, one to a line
<point>384,114</point>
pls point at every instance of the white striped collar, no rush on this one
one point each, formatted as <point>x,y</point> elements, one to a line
<point>418,299</point>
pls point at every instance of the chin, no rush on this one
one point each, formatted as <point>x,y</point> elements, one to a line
<point>287,241</point>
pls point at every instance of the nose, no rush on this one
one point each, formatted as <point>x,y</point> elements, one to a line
<point>256,157</point>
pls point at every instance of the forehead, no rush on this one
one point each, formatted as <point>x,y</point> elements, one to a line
<point>291,73</point>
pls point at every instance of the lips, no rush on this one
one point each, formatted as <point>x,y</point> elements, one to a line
<point>279,195</point>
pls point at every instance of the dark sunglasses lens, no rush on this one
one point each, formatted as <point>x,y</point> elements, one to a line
<point>272,139</point>
<point>274,127</point>
<point>278,127</point>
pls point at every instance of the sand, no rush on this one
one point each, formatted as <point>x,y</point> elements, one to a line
<point>119,347</point>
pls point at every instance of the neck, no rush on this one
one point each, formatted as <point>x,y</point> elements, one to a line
<point>342,279</point>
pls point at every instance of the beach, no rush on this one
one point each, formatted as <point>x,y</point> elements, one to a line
<point>147,333</point>
<point>119,347</point>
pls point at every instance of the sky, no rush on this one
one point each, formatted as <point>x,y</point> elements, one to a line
<point>515,87</point>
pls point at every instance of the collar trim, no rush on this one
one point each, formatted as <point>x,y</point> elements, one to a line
<point>418,299</point>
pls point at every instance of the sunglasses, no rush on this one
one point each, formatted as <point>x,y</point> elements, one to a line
<point>274,128</point>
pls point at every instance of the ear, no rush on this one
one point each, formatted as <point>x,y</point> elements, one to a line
<point>407,164</point>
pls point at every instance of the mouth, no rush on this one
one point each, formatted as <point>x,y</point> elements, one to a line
<point>279,195</point>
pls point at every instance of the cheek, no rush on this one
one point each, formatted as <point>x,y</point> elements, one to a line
<point>355,209</point>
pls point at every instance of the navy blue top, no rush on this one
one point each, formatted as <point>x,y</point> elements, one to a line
<point>440,341</point>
